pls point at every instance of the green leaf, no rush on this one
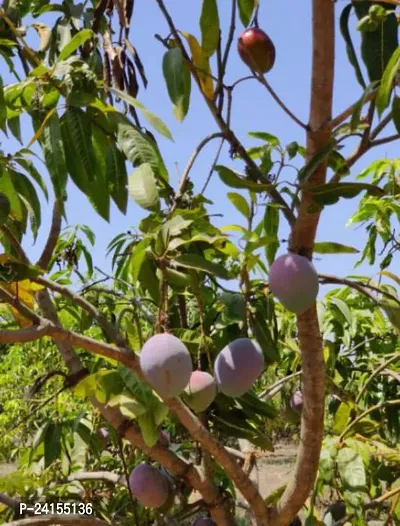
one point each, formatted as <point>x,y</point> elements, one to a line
<point>28,165</point>
<point>274,497</point>
<point>246,9</point>
<point>138,258</point>
<point>209,25</point>
<point>5,208</point>
<point>343,308</point>
<point>3,108</point>
<point>143,188</point>
<point>52,443</point>
<point>54,155</point>
<point>29,197</point>
<point>149,429</point>
<point>271,228</point>
<point>199,263</point>
<point>267,137</point>
<point>342,416</point>
<point>178,79</point>
<point>385,89</point>
<point>76,41</point>
<point>7,188</point>
<point>330,247</point>
<point>128,405</point>
<point>351,53</point>
<point>263,335</point>
<point>396,112</point>
<point>240,203</point>
<point>139,149</point>
<point>117,177</point>
<point>99,198</point>
<point>233,180</point>
<point>152,119</point>
<point>80,155</point>
<point>351,468</point>
<point>322,155</point>
<point>379,44</point>
<point>330,193</point>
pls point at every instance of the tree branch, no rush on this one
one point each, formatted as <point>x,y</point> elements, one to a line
<point>377,371</point>
<point>381,405</point>
<point>348,112</point>
<point>373,504</point>
<point>275,96</point>
<point>15,244</point>
<point>277,386</point>
<point>55,229</point>
<point>185,175</point>
<point>104,476</point>
<point>302,241</point>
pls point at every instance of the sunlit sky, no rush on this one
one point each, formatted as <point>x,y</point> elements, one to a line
<point>289,26</point>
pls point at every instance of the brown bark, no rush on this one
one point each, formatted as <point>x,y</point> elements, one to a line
<point>302,241</point>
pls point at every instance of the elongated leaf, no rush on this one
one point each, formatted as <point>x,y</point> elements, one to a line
<point>139,149</point>
<point>330,193</point>
<point>342,416</point>
<point>240,203</point>
<point>330,247</point>
<point>178,80</point>
<point>267,137</point>
<point>80,155</point>
<point>263,335</point>
<point>99,198</point>
<point>3,108</point>
<point>138,258</point>
<point>53,151</point>
<point>199,263</point>
<point>76,41</point>
<point>391,276</point>
<point>117,177</point>
<point>246,9</point>
<point>152,119</point>
<point>5,208</point>
<point>7,188</point>
<point>271,228</point>
<point>377,44</point>
<point>52,443</point>
<point>143,188</point>
<point>351,468</point>
<point>233,180</point>
<point>209,25</point>
<point>30,198</point>
<point>351,53</point>
<point>396,112</point>
<point>307,171</point>
<point>343,308</point>
<point>202,64</point>
<point>385,89</point>
<point>28,165</point>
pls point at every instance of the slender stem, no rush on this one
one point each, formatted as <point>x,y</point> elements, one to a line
<point>381,405</point>
<point>15,244</point>
<point>277,99</point>
<point>348,112</point>
<point>271,391</point>
<point>385,140</point>
<point>377,371</point>
<point>373,504</point>
<point>55,229</point>
<point>327,278</point>
<point>189,166</point>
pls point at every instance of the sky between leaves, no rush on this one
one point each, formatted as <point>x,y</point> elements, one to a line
<point>289,26</point>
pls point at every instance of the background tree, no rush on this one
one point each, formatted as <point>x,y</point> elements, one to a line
<point>79,87</point>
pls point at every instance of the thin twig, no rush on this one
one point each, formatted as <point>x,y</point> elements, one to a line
<point>376,373</point>
<point>277,99</point>
<point>55,229</point>
<point>381,405</point>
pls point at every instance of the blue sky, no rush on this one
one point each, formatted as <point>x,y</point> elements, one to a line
<point>289,26</point>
